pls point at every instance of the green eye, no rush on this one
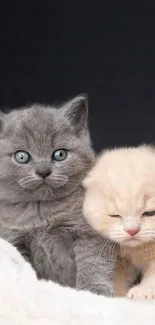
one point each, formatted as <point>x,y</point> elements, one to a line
<point>149,213</point>
<point>22,157</point>
<point>59,155</point>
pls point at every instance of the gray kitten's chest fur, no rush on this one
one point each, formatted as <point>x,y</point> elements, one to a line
<point>51,237</point>
<point>46,238</point>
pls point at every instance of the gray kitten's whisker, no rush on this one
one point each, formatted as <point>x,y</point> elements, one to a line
<point>61,177</point>
<point>29,182</point>
<point>29,177</point>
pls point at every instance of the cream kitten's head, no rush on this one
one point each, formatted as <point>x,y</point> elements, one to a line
<point>120,195</point>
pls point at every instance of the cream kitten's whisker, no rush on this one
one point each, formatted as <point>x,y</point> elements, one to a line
<point>115,245</point>
<point>111,248</point>
<point>150,245</point>
<point>101,248</point>
<point>112,252</point>
<point>122,249</point>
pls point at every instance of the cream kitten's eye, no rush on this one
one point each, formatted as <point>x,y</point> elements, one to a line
<point>149,213</point>
<point>114,215</point>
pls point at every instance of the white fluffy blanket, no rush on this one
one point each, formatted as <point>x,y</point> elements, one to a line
<point>26,301</point>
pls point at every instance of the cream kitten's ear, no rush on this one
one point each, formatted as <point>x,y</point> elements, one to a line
<point>87,181</point>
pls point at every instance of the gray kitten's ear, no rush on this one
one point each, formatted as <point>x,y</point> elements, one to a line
<point>76,110</point>
<point>3,121</point>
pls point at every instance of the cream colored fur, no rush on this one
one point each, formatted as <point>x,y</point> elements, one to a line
<point>120,189</point>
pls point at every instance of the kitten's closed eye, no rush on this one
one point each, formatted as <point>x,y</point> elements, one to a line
<point>114,215</point>
<point>149,213</point>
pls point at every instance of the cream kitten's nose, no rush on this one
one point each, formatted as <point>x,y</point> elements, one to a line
<point>132,232</point>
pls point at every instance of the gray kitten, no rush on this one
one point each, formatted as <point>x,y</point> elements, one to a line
<point>45,153</point>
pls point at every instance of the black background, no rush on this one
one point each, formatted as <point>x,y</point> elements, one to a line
<point>51,51</point>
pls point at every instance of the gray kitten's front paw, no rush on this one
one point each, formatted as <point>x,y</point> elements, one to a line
<point>104,291</point>
<point>108,292</point>
<point>24,252</point>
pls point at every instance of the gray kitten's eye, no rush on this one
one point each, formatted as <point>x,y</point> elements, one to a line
<point>22,157</point>
<point>59,155</point>
<point>149,213</point>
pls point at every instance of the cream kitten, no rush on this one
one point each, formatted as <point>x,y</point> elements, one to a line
<point>120,205</point>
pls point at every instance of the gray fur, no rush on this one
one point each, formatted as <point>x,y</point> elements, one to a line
<point>42,217</point>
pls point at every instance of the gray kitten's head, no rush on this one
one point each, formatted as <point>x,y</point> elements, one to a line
<point>45,152</point>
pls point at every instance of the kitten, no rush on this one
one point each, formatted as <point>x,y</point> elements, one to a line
<point>120,205</point>
<point>44,155</point>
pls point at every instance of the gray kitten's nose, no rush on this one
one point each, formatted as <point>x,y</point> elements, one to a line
<point>43,172</point>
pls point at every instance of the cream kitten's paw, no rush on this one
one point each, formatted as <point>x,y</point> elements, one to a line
<point>142,292</point>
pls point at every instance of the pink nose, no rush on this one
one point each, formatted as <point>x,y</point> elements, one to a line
<point>132,232</point>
